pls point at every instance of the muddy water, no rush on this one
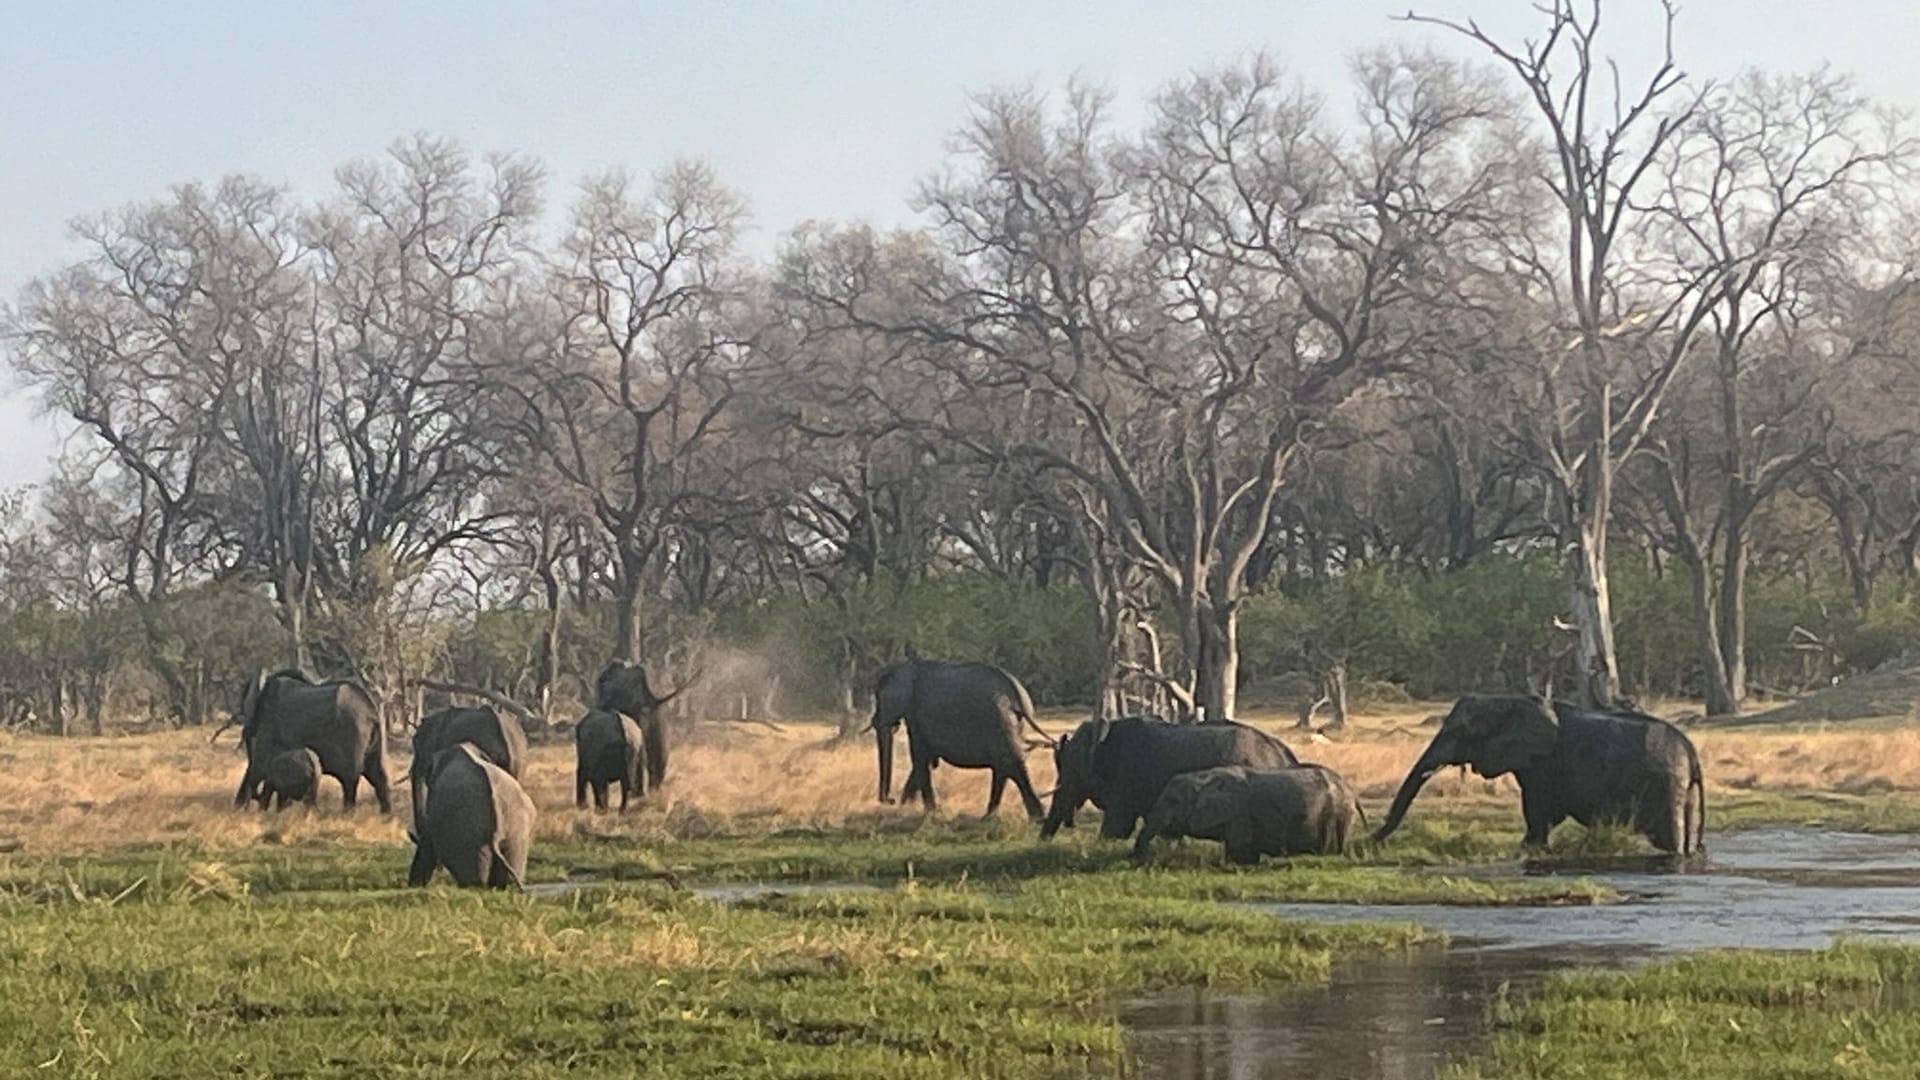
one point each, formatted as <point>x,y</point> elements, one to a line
<point>1403,1017</point>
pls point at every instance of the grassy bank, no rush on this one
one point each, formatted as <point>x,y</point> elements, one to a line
<point>1847,1011</point>
<point>305,962</point>
<point>147,929</point>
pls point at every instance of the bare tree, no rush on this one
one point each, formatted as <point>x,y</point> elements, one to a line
<point>638,382</point>
<point>1592,374</point>
<point>1774,181</point>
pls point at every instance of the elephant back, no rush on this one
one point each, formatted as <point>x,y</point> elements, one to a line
<point>495,734</point>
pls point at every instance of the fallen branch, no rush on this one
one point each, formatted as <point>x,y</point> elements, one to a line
<point>498,700</point>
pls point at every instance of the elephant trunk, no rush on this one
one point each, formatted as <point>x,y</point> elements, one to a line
<point>1430,762</point>
<point>1060,811</point>
<point>883,746</point>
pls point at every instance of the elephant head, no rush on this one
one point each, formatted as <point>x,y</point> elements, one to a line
<point>892,695</point>
<point>1494,735</point>
<point>623,687</point>
<point>1076,763</point>
<point>254,692</point>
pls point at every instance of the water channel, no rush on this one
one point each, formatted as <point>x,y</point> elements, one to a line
<point>1401,1018</point>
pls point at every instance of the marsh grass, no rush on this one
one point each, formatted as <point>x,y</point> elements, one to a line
<point>1845,1011</point>
<point>918,980</point>
<point>147,929</point>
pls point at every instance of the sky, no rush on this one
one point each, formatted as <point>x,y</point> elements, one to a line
<point>813,110</point>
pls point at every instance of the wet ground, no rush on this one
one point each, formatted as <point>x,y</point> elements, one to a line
<point>1403,1017</point>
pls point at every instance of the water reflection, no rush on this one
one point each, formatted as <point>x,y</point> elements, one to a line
<point>1389,1020</point>
<point>1403,1017</point>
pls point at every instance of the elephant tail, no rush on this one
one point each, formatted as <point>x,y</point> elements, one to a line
<point>500,859</point>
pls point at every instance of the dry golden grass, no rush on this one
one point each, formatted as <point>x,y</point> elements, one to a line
<point>82,795</point>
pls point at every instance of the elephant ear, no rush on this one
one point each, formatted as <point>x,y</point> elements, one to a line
<point>1215,804</point>
<point>250,705</point>
<point>1519,731</point>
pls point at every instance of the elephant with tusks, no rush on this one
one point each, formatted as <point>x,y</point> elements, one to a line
<point>1594,766</point>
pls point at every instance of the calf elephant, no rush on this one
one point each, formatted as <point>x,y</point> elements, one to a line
<point>1303,810</point>
<point>608,748</point>
<point>478,822</point>
<point>1591,766</point>
<point>338,721</point>
<point>967,715</point>
<point>623,688</point>
<point>1122,765</point>
<point>497,735</point>
<point>292,776</point>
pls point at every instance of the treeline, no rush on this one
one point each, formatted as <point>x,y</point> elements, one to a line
<point>1506,376</point>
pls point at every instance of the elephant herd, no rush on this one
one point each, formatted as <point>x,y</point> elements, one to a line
<point>470,813</point>
<point>1217,780</point>
<point>1225,781</point>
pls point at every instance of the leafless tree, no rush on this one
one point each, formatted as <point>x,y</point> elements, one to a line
<point>1592,370</point>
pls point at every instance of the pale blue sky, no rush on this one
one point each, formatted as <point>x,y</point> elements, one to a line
<point>813,110</point>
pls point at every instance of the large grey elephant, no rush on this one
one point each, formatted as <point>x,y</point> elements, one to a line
<point>338,721</point>
<point>1303,810</point>
<point>608,748</point>
<point>478,823</point>
<point>497,735</point>
<point>1122,765</point>
<point>968,715</point>
<point>292,776</point>
<point>1592,766</point>
<point>623,688</point>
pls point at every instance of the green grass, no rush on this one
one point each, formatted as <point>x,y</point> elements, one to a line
<point>1846,1011</point>
<point>979,952</point>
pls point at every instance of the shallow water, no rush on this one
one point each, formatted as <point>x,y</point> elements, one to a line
<point>1402,1017</point>
<point>1396,1018</point>
<point>1765,889</point>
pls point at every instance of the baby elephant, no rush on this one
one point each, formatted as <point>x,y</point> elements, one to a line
<point>292,776</point>
<point>608,748</point>
<point>478,822</point>
<point>1302,810</point>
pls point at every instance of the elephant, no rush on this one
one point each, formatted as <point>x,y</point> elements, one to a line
<point>497,735</point>
<point>965,714</point>
<point>622,688</point>
<point>292,776</point>
<point>338,721</point>
<point>1592,766</point>
<point>1122,765</point>
<point>1303,810</point>
<point>478,822</point>
<point>608,748</point>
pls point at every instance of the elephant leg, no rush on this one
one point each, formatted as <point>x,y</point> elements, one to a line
<point>376,773</point>
<point>579,789</point>
<point>993,794</point>
<point>249,786</point>
<point>626,791</point>
<point>1142,845</point>
<point>1696,819</point>
<point>1028,797</point>
<point>349,791</point>
<point>921,780</point>
<point>1118,823</point>
<point>1539,816</point>
<point>600,796</point>
<point>421,871</point>
<point>1242,850</point>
